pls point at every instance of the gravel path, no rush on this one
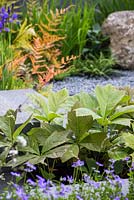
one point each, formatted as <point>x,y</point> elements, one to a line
<point>75,84</point>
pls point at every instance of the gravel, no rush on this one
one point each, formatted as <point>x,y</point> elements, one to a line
<point>75,84</point>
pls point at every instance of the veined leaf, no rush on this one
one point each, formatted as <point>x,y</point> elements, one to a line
<point>127,139</point>
<point>87,101</point>
<point>79,124</point>
<point>122,110</point>
<point>122,121</point>
<point>20,128</point>
<point>50,128</point>
<point>117,154</point>
<point>20,160</point>
<point>49,117</point>
<point>57,100</point>
<point>5,144</point>
<point>108,97</point>
<point>58,152</point>
<point>71,152</point>
<point>7,123</point>
<point>37,160</point>
<point>54,140</point>
<point>96,142</point>
<point>87,112</point>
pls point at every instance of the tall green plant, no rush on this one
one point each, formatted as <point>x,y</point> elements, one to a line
<point>105,7</point>
<point>76,24</point>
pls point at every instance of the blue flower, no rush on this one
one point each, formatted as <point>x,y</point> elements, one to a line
<point>6,29</point>
<point>14,16</point>
<point>78,163</point>
<point>6,18</point>
<point>20,192</point>
<point>5,15</point>
<point>99,164</point>
<point>79,197</point>
<point>15,174</point>
<point>1,25</point>
<point>30,167</point>
<point>31,182</point>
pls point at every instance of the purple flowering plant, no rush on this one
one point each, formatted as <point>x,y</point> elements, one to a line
<point>7,18</point>
<point>87,188</point>
<point>8,21</point>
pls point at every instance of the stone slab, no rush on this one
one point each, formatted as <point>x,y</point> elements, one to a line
<point>14,99</point>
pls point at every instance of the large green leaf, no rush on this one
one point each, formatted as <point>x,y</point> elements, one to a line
<point>127,139</point>
<point>7,123</point>
<point>5,144</point>
<point>79,124</point>
<point>57,152</point>
<point>71,152</point>
<point>117,154</point>
<point>40,134</point>
<point>87,112</point>
<point>122,121</point>
<point>96,142</point>
<point>41,105</point>
<point>33,143</point>
<point>108,97</point>
<point>57,100</point>
<point>54,140</point>
<point>20,160</point>
<point>20,128</point>
<point>50,128</point>
<point>122,110</point>
<point>37,160</point>
<point>87,100</point>
<point>49,117</point>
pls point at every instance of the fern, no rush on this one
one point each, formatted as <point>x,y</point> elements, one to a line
<point>41,49</point>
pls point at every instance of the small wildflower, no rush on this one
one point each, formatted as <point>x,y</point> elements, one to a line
<point>87,178</point>
<point>20,193</point>
<point>70,179</point>
<point>13,152</point>
<point>31,182</point>
<point>9,195</point>
<point>63,179</point>
<point>15,174</point>
<point>14,160</point>
<point>99,164</point>
<point>14,16</point>
<point>22,141</point>
<point>117,198</point>
<point>126,159</point>
<point>79,197</point>
<point>31,166</point>
<point>78,163</point>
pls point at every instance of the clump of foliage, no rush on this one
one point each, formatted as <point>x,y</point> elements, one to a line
<point>37,52</point>
<point>69,187</point>
<point>105,7</point>
<point>100,66</point>
<point>73,127</point>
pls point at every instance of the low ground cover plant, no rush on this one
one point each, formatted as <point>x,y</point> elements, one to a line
<point>70,187</point>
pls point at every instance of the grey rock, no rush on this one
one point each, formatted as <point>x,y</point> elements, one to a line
<point>119,26</point>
